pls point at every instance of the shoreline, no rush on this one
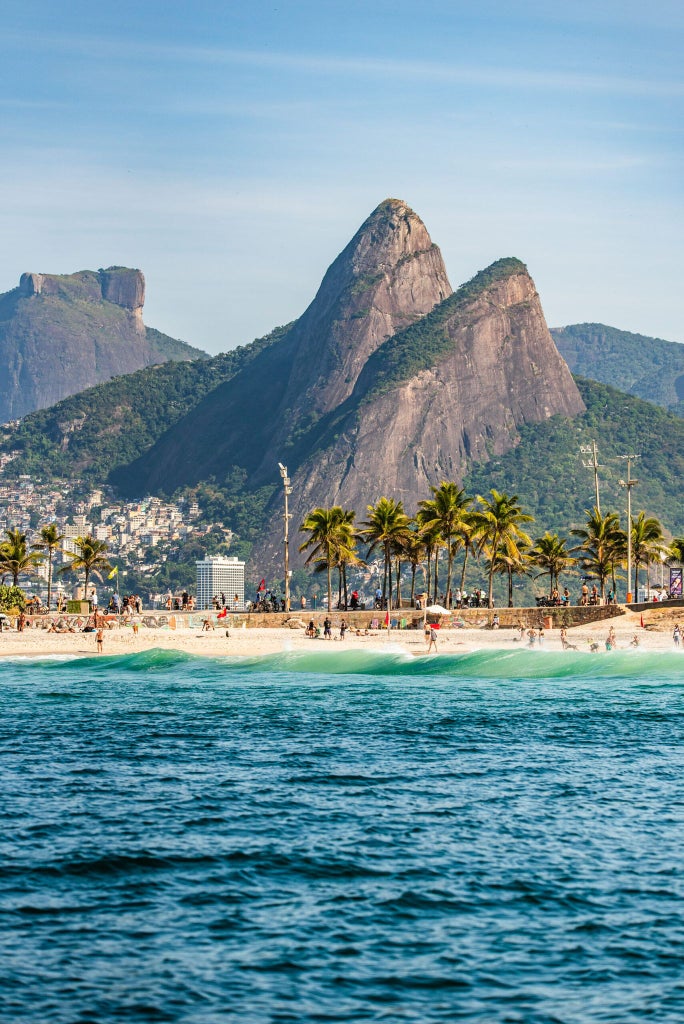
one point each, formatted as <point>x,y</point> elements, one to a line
<point>655,635</point>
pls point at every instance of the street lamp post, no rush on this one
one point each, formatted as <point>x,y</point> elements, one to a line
<point>591,449</point>
<point>286,539</point>
<point>629,483</point>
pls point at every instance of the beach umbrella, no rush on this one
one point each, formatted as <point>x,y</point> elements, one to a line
<point>437,609</point>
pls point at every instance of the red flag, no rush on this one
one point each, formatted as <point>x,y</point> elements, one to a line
<point>642,621</point>
<point>387,619</point>
<point>222,615</point>
<point>262,586</point>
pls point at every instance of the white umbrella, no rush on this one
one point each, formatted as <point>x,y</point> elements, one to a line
<point>437,609</point>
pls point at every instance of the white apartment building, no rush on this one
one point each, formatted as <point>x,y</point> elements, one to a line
<point>217,574</point>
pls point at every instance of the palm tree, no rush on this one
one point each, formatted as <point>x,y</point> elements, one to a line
<point>446,514</point>
<point>431,539</point>
<point>469,537</point>
<point>386,526</point>
<point>345,551</point>
<point>15,558</point>
<point>647,543</point>
<point>510,565</point>
<point>602,544</point>
<point>90,556</point>
<point>675,552</point>
<point>50,540</point>
<point>414,552</point>
<point>552,556</point>
<point>325,527</point>
<point>498,524</point>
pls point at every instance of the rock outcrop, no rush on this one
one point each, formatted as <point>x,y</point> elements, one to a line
<point>389,276</point>
<point>62,333</point>
<point>416,419</point>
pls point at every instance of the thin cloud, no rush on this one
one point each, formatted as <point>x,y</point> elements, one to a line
<point>370,66</point>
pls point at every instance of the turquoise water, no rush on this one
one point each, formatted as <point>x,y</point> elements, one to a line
<point>343,837</point>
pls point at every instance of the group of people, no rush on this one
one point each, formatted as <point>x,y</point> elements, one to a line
<point>129,604</point>
<point>313,630</point>
<point>184,603</point>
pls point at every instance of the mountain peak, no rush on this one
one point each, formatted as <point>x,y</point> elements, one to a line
<point>388,276</point>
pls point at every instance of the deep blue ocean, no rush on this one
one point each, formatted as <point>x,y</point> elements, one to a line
<point>343,837</point>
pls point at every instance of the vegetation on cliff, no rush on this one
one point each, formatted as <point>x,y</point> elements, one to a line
<point>424,343</point>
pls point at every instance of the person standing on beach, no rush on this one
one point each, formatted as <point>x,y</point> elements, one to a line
<point>327,630</point>
<point>99,639</point>
<point>432,639</point>
<point>677,635</point>
<point>343,629</point>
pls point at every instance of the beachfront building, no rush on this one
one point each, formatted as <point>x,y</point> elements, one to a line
<point>218,575</point>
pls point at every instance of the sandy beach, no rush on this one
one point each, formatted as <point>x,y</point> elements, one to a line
<point>655,635</point>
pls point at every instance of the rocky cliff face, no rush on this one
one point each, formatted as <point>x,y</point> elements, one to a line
<point>387,277</point>
<point>497,368</point>
<point>62,333</point>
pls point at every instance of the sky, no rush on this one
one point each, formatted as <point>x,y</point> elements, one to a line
<point>231,150</point>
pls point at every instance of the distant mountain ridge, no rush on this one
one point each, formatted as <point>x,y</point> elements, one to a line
<point>62,333</point>
<point>649,368</point>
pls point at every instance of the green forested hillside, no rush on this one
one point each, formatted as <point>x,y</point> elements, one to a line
<point>92,433</point>
<point>545,470</point>
<point>649,368</point>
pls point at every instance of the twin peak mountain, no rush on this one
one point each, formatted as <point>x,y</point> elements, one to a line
<point>388,383</point>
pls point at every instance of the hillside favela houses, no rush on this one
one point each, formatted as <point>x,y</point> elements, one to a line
<point>140,534</point>
<point>222,578</point>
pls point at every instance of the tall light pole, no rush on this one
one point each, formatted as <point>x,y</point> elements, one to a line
<point>629,483</point>
<point>288,491</point>
<point>591,449</point>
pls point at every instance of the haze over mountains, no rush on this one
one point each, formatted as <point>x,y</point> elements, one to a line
<point>389,382</point>
<point>61,333</point>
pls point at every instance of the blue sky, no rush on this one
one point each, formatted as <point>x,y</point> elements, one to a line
<point>231,150</point>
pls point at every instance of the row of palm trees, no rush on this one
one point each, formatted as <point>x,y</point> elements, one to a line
<point>453,522</point>
<point>18,558</point>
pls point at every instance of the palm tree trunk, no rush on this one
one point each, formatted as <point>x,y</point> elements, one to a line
<point>414,568</point>
<point>49,577</point>
<point>510,587</point>
<point>329,587</point>
<point>398,583</point>
<point>465,563</point>
<point>450,559</point>
<point>389,581</point>
<point>344,576</point>
<point>436,587</point>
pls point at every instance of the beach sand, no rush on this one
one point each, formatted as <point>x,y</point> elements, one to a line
<point>656,635</point>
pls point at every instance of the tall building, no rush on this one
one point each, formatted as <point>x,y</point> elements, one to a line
<point>218,575</point>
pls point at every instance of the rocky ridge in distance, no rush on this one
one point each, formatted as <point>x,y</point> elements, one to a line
<point>63,333</point>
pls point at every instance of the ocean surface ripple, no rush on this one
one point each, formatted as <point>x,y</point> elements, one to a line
<point>357,837</point>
